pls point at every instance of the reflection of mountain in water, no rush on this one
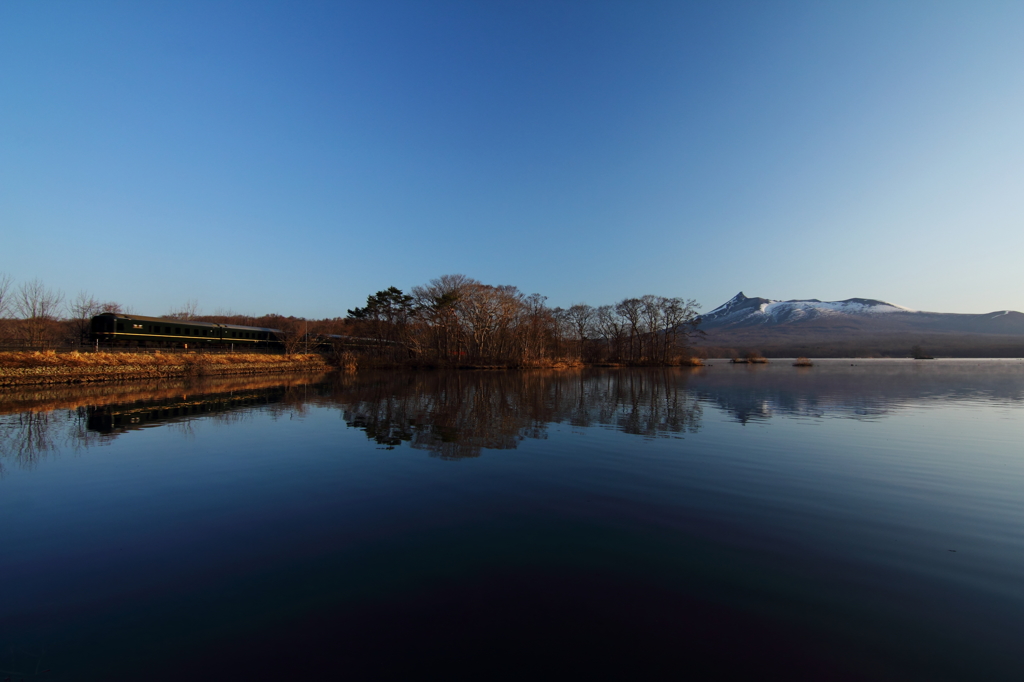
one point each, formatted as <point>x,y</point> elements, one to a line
<point>857,389</point>
<point>455,415</point>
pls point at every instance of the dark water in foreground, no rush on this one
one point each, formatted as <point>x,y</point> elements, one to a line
<point>841,522</point>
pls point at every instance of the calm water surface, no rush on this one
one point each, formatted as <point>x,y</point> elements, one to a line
<point>855,520</point>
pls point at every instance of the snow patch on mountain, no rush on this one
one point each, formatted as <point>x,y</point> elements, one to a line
<point>741,308</point>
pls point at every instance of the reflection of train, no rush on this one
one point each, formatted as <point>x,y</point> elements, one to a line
<point>155,331</point>
<point>111,419</point>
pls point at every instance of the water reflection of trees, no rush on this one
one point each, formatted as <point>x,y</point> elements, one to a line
<point>28,437</point>
<point>453,415</point>
<point>456,415</point>
<point>52,419</point>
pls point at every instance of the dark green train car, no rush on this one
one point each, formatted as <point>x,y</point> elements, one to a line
<point>136,330</point>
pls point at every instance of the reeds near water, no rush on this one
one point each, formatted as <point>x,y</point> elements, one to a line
<point>755,360</point>
<point>49,367</point>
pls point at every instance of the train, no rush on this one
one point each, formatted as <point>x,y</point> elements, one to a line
<point>137,330</point>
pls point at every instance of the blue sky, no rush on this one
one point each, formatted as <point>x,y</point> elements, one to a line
<point>295,157</point>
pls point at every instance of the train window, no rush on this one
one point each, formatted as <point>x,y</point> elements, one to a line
<point>120,326</point>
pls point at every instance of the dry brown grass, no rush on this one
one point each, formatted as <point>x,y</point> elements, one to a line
<point>148,360</point>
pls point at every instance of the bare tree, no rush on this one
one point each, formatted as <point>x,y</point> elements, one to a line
<point>652,323</point>
<point>580,318</point>
<point>5,294</point>
<point>82,309</point>
<point>292,333</point>
<point>188,310</point>
<point>39,307</point>
<point>611,327</point>
<point>629,309</point>
<point>681,324</point>
<point>437,304</point>
<point>5,304</point>
<point>539,328</point>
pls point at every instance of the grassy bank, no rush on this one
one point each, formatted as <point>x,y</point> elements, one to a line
<point>48,367</point>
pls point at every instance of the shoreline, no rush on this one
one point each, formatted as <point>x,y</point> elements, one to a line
<point>40,368</point>
<point>69,369</point>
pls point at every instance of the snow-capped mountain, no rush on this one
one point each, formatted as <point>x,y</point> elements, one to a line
<point>857,323</point>
<point>743,310</point>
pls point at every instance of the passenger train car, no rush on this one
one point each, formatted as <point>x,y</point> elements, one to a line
<point>137,330</point>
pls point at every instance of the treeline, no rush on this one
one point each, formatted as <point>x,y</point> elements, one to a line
<point>457,321</point>
<point>36,315</point>
<point>450,321</point>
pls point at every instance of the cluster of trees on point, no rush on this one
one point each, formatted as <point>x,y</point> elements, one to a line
<point>456,320</point>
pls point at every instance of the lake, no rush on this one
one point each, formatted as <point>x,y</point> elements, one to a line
<point>860,519</point>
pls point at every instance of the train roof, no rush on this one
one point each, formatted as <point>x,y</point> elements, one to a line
<point>196,323</point>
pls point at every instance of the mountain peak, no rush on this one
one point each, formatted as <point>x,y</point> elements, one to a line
<point>744,310</point>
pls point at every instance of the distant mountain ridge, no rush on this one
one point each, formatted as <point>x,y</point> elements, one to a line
<point>829,326</point>
<point>745,311</point>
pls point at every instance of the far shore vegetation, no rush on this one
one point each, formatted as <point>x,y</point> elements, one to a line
<point>452,321</point>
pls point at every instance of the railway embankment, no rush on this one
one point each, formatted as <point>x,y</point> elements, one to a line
<point>48,367</point>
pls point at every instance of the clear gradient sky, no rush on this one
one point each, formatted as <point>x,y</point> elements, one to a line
<point>294,157</point>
